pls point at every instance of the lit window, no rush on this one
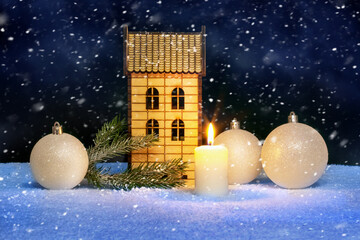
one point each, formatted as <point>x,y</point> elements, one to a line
<point>178,130</point>
<point>152,98</point>
<point>177,99</point>
<point>152,127</point>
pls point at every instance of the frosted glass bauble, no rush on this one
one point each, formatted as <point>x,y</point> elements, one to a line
<point>244,155</point>
<point>59,161</point>
<point>294,155</point>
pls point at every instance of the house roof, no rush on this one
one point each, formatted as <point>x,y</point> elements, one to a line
<point>164,52</point>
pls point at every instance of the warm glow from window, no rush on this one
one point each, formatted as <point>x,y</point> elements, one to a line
<point>211,134</point>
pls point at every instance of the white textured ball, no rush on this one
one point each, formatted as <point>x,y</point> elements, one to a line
<point>294,155</point>
<point>59,161</point>
<point>244,155</point>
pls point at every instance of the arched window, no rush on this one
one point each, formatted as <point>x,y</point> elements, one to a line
<point>178,130</point>
<point>152,127</point>
<point>177,99</point>
<point>152,98</point>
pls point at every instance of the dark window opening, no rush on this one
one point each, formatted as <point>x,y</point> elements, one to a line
<point>177,99</point>
<point>181,134</point>
<point>173,103</point>
<point>152,98</point>
<point>184,177</point>
<point>152,127</point>
<point>178,130</point>
<point>181,103</point>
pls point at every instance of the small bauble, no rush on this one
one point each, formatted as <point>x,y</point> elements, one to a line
<point>59,160</point>
<point>294,155</point>
<point>244,154</point>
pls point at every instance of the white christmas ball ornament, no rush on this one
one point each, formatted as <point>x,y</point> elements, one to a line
<point>59,160</point>
<point>244,150</point>
<point>294,155</point>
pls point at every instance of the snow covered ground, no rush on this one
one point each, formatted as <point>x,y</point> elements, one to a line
<point>330,209</point>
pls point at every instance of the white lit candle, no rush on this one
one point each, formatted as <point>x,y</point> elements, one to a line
<point>211,168</point>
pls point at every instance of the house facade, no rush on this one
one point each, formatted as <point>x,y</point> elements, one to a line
<point>164,71</point>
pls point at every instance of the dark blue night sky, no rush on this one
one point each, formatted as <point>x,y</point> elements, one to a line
<point>62,61</point>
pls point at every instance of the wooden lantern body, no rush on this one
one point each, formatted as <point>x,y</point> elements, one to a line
<point>165,73</point>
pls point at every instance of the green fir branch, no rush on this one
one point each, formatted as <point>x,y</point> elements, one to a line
<point>151,175</point>
<point>110,132</point>
<point>111,141</point>
<point>119,146</point>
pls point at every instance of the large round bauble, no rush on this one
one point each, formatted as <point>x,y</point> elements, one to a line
<point>59,161</point>
<point>294,155</point>
<point>244,155</point>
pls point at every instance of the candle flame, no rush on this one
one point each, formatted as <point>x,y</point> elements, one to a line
<point>211,135</point>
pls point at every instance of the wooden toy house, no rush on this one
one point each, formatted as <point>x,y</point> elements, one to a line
<point>165,71</point>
